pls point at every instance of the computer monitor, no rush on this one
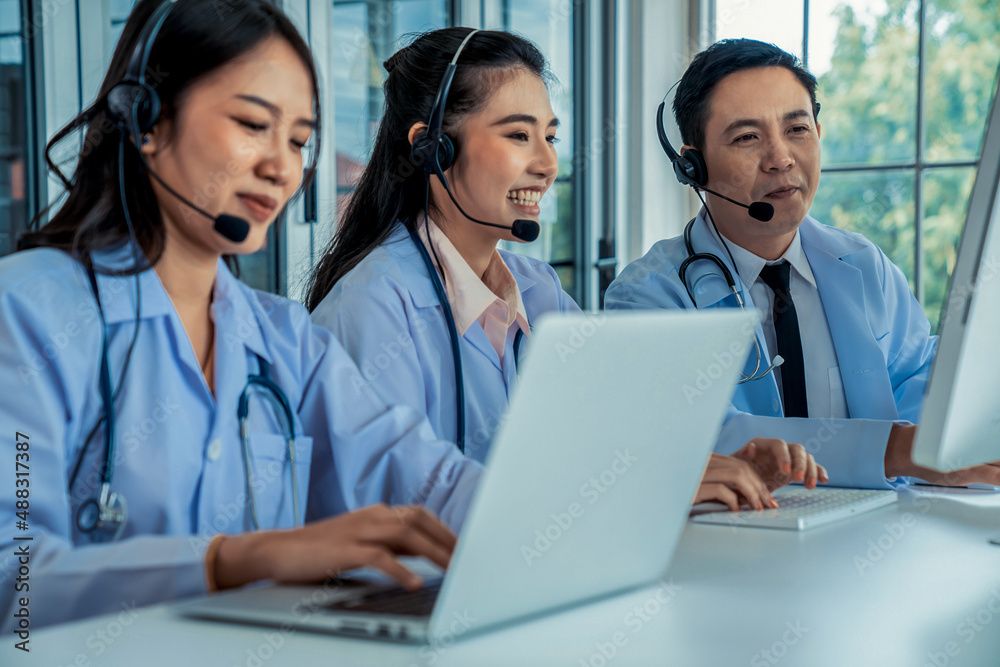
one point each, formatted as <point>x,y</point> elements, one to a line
<point>960,424</point>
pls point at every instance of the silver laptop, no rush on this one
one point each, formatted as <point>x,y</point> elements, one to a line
<point>586,489</point>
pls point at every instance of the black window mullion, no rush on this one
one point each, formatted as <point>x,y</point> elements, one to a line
<point>36,174</point>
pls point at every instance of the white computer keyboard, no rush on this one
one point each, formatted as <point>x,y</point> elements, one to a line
<point>801,508</point>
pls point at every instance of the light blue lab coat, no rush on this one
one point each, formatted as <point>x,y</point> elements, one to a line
<point>387,316</point>
<point>880,334</point>
<point>179,462</point>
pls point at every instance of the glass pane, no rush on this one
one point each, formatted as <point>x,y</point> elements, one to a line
<point>963,49</point>
<point>779,23</point>
<point>567,276</point>
<point>260,269</point>
<point>120,10</point>
<point>877,204</point>
<point>865,57</point>
<point>946,200</point>
<point>556,242</point>
<point>365,34</point>
<point>554,37</point>
<point>13,128</point>
<point>605,277</point>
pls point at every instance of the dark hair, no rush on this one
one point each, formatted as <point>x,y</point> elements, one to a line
<point>392,187</point>
<point>694,92</point>
<point>198,37</point>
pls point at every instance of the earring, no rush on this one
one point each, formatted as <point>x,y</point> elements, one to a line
<point>145,139</point>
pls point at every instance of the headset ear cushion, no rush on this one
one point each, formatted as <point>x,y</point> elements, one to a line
<point>422,152</point>
<point>445,152</point>
<point>430,154</point>
<point>119,103</point>
<point>147,109</point>
<point>126,98</point>
<point>697,170</point>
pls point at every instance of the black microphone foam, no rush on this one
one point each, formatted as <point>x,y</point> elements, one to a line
<point>525,230</point>
<point>758,210</point>
<point>761,210</point>
<point>232,228</point>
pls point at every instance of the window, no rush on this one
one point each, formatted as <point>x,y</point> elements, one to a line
<point>119,14</point>
<point>557,242</point>
<point>365,34</point>
<point>14,135</point>
<point>905,87</point>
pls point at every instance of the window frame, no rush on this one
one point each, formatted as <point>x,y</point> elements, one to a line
<point>34,165</point>
<point>919,165</point>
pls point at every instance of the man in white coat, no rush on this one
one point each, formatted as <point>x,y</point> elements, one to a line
<point>855,344</point>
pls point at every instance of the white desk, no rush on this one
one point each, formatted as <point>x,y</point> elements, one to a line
<point>894,587</point>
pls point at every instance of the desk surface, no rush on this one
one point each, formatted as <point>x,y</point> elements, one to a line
<point>915,584</point>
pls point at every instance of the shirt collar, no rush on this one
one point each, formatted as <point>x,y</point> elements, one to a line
<point>468,294</point>
<point>239,312</point>
<point>237,317</point>
<point>118,293</point>
<point>749,265</point>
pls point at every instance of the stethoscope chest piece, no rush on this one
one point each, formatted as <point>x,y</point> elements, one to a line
<point>103,519</point>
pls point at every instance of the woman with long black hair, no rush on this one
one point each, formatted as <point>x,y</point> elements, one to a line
<point>373,288</point>
<point>171,422</point>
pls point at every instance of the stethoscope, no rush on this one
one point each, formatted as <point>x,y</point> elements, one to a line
<point>456,350</point>
<point>262,385</point>
<point>103,518</point>
<point>727,274</point>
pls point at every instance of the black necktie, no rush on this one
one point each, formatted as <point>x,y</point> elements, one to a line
<point>786,331</point>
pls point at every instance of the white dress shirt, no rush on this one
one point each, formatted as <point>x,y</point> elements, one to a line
<point>824,389</point>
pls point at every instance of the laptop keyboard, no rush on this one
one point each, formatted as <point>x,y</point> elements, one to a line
<point>398,601</point>
<point>801,509</point>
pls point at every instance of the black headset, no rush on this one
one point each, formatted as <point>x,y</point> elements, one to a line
<point>689,165</point>
<point>690,169</point>
<point>132,102</point>
<point>432,150</point>
<point>135,107</point>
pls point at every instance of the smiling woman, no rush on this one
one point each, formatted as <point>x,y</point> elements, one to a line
<point>457,162</point>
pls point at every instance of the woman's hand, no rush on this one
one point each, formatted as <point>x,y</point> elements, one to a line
<point>371,537</point>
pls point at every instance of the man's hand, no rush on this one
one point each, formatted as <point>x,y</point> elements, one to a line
<point>761,466</point>
<point>733,482</point>
<point>899,463</point>
<point>778,463</point>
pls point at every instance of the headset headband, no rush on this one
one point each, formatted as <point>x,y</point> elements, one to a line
<point>139,61</point>
<point>436,119</point>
